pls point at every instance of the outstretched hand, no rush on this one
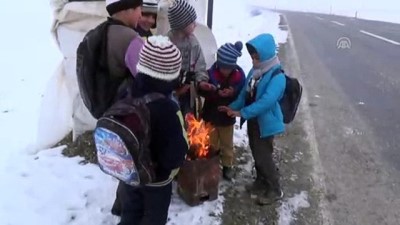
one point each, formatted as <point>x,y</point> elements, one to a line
<point>234,114</point>
<point>224,109</point>
<point>229,111</point>
<point>207,86</point>
<point>182,90</point>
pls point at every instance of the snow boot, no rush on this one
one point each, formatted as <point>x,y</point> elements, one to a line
<point>256,187</point>
<point>228,173</point>
<point>270,197</point>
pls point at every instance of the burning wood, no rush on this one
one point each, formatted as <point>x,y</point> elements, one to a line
<point>199,138</point>
<point>200,173</point>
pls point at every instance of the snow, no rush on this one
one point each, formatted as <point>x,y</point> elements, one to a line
<point>50,189</point>
<point>28,58</point>
<point>384,10</point>
<point>245,23</point>
<point>291,206</point>
<point>206,213</point>
<point>46,187</point>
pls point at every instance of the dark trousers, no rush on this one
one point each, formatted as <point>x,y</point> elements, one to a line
<point>144,205</point>
<point>262,149</point>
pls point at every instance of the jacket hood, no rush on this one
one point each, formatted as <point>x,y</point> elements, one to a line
<point>265,46</point>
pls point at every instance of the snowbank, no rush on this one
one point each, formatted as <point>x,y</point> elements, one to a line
<point>291,206</point>
<point>242,22</point>
<point>28,57</point>
<point>50,189</point>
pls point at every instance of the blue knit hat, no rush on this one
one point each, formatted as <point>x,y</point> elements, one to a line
<point>228,53</point>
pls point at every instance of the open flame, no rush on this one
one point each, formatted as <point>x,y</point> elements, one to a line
<point>199,137</point>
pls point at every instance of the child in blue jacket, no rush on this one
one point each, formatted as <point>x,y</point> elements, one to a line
<point>226,79</point>
<point>258,103</point>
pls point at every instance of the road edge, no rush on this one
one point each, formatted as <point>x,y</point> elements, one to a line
<point>308,125</point>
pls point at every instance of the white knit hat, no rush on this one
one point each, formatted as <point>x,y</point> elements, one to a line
<point>114,6</point>
<point>160,59</point>
<point>181,14</point>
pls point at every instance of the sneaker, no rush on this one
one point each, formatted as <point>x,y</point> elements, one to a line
<point>228,173</point>
<point>270,197</point>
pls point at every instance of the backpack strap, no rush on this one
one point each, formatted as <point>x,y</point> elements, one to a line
<point>152,97</point>
<point>277,72</point>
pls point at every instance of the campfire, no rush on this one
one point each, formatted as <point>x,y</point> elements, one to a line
<point>199,138</point>
<point>199,175</point>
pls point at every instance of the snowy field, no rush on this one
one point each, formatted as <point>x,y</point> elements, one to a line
<point>384,10</point>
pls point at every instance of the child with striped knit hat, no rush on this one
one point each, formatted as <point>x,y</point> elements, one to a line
<point>182,18</point>
<point>158,68</point>
<point>148,20</point>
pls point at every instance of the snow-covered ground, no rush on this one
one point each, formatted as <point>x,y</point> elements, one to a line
<point>384,10</point>
<point>48,189</point>
<point>28,57</point>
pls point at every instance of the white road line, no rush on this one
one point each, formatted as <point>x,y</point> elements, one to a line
<point>335,22</point>
<point>380,37</point>
<point>319,18</point>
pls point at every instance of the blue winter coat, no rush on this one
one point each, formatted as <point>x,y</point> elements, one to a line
<point>270,90</point>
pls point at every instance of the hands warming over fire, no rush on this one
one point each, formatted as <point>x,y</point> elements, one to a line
<point>182,90</point>
<point>229,111</point>
<point>226,92</point>
<point>207,86</point>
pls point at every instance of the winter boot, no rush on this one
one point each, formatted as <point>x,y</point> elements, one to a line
<point>256,187</point>
<point>270,197</point>
<point>116,208</point>
<point>228,173</point>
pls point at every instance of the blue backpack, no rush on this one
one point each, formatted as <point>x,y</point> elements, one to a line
<point>122,137</point>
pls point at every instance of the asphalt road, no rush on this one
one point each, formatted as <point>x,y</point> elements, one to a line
<point>351,72</point>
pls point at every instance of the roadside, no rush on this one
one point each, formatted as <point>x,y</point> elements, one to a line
<point>354,96</point>
<point>297,158</point>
